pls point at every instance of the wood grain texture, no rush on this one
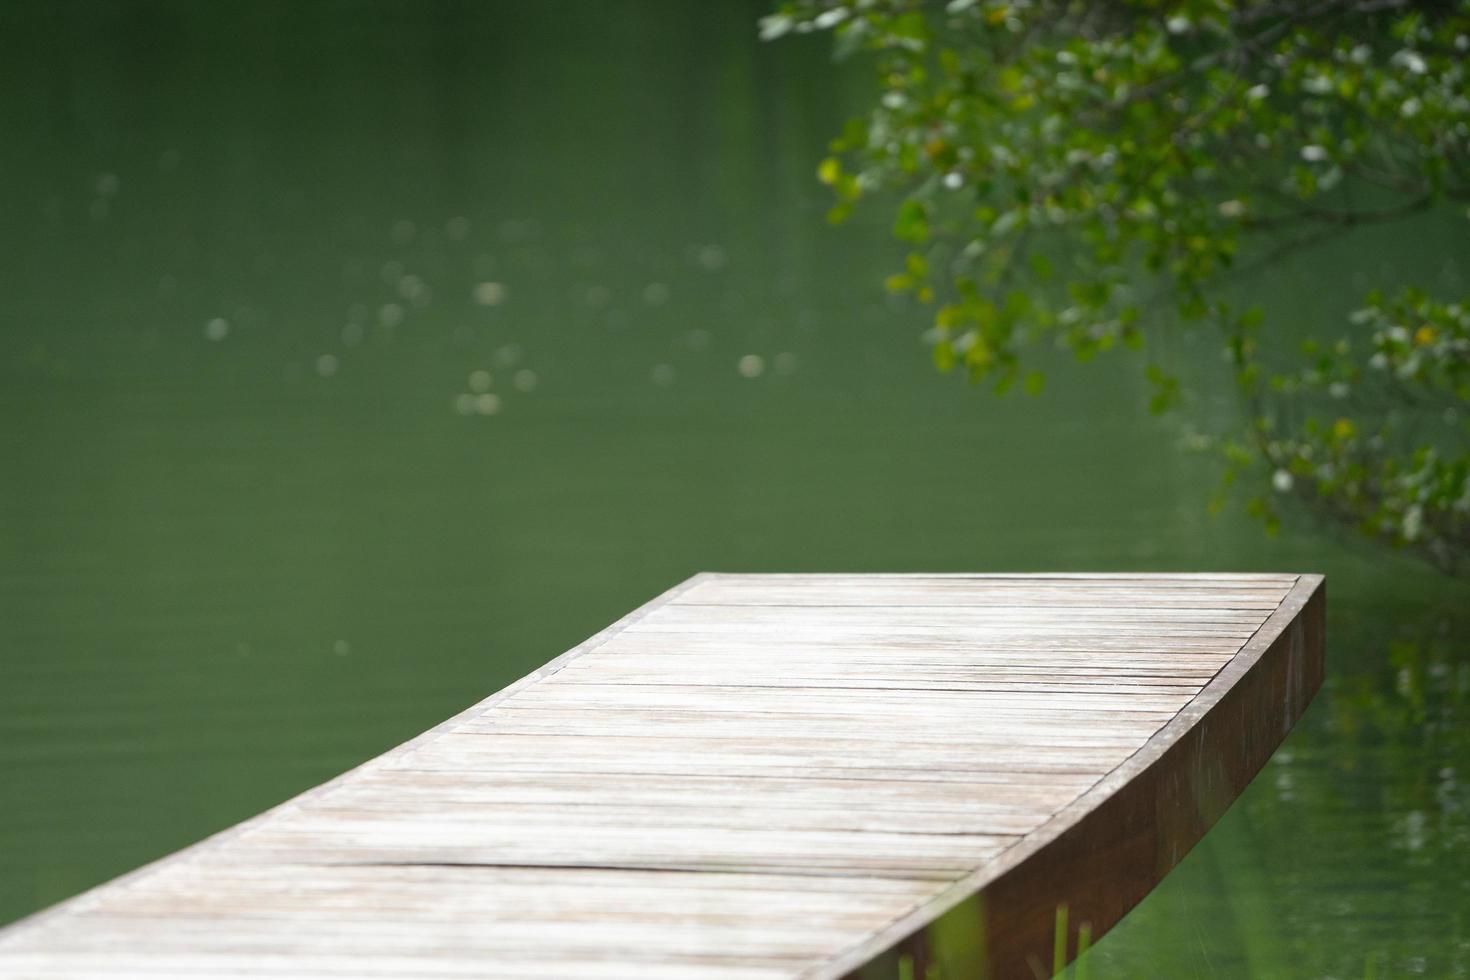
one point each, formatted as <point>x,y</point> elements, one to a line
<point>756,776</point>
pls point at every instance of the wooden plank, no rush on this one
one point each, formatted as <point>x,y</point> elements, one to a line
<point>754,776</point>
<point>969,591</point>
<point>952,645</point>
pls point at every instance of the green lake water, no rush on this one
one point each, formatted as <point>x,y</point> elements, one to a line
<point>357,358</point>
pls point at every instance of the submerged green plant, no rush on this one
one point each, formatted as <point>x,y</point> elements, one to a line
<point>1084,943</point>
<point>1059,941</point>
<point>1080,174</point>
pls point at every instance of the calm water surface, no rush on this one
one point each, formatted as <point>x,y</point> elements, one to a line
<point>355,359</point>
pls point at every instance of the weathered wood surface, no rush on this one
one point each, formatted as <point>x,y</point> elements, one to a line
<point>756,776</point>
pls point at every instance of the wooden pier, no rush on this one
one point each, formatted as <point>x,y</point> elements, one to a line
<point>756,776</point>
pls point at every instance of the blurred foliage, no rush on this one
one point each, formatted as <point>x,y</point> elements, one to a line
<point>1079,173</point>
<point>1413,715</point>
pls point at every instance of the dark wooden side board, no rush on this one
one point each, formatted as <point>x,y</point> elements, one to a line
<point>1100,856</point>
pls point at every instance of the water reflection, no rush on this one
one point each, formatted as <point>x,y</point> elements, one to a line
<point>1350,855</point>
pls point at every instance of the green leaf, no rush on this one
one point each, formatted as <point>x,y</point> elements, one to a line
<point>944,358</point>
<point>1165,389</point>
<point>912,224</point>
